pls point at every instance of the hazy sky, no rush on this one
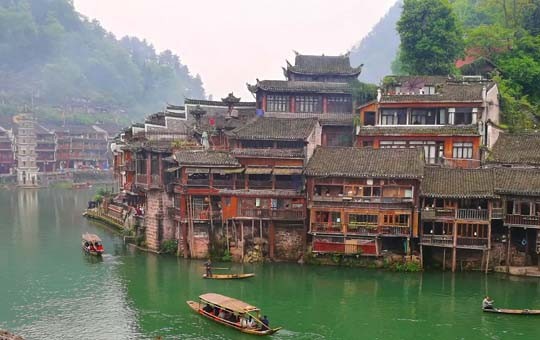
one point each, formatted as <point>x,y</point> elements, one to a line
<point>231,42</point>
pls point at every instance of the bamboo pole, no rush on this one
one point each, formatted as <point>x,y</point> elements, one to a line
<point>242,238</point>
<point>509,238</point>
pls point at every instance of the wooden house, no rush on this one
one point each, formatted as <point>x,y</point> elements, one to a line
<point>446,116</point>
<point>362,200</point>
<point>459,207</point>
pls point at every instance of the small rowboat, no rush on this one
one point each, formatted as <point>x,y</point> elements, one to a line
<point>91,244</point>
<point>210,303</point>
<point>228,276</point>
<point>513,311</point>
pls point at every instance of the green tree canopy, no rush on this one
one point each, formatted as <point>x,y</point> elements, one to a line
<point>431,38</point>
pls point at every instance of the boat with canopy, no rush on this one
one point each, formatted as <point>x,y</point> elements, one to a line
<point>232,313</point>
<point>91,244</point>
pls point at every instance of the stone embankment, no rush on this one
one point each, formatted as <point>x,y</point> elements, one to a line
<point>5,335</point>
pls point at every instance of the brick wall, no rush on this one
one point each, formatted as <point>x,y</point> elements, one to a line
<point>288,242</point>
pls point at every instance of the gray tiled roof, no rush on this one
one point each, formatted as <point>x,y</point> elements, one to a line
<point>366,162</point>
<point>405,130</point>
<point>479,183</point>
<point>452,92</point>
<point>321,64</point>
<point>521,149</point>
<point>189,101</point>
<point>325,119</point>
<point>515,181</point>
<point>301,86</point>
<point>289,129</point>
<point>204,158</point>
<point>457,183</point>
<point>269,153</point>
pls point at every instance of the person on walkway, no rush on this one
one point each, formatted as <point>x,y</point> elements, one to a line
<point>208,267</point>
<point>487,303</point>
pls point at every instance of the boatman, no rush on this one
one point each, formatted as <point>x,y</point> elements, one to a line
<point>487,303</point>
<point>208,267</point>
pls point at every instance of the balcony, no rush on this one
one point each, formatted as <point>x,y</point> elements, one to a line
<point>253,184</point>
<point>275,214</point>
<point>325,227</point>
<point>473,214</point>
<point>438,213</point>
<point>286,185</point>
<point>437,240</point>
<point>523,220</point>
<point>141,179</point>
<point>401,231</point>
<point>362,228</point>
<point>205,215</point>
<point>198,182</point>
<point>472,242</point>
<point>497,213</point>
<point>223,184</point>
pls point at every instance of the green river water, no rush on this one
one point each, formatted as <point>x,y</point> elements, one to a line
<point>50,290</point>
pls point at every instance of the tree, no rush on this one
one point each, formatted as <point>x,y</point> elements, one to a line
<point>431,38</point>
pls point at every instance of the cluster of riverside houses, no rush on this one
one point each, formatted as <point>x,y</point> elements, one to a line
<point>423,170</point>
<point>28,149</point>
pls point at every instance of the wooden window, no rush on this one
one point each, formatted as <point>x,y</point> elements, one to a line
<point>393,144</point>
<point>277,103</point>
<point>141,164</point>
<point>367,144</point>
<point>309,104</point>
<point>463,150</point>
<point>525,208</point>
<point>154,165</point>
<point>371,191</point>
<point>257,144</point>
<point>393,117</point>
<point>356,220</point>
<point>339,104</point>
<point>463,116</point>
<point>369,118</point>
<point>423,117</point>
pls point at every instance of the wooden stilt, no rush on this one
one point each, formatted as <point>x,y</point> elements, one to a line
<point>509,239</point>
<point>487,261</point>
<point>421,256</point>
<point>242,238</point>
<point>271,239</point>
<point>482,261</point>
<point>454,256</point>
<point>444,260</point>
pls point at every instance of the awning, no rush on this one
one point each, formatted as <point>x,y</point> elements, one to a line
<point>234,171</point>
<point>197,170</point>
<point>258,171</point>
<point>172,169</point>
<point>227,171</point>
<point>288,171</point>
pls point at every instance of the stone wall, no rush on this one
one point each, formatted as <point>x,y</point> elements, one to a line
<point>288,242</point>
<point>159,224</point>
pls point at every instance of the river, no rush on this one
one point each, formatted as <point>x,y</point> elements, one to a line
<point>50,290</point>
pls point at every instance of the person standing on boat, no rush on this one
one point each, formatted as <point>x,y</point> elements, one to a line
<point>487,303</point>
<point>208,267</point>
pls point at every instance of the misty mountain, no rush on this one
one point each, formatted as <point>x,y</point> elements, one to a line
<point>61,63</point>
<point>378,49</point>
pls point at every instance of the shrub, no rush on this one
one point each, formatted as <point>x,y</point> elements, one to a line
<point>169,246</point>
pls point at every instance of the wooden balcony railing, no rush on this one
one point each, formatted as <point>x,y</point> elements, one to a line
<point>433,213</point>
<point>362,228</point>
<point>437,240</point>
<point>260,184</point>
<point>239,184</point>
<point>141,179</point>
<point>325,227</point>
<point>395,230</point>
<point>200,182</point>
<point>473,214</point>
<point>472,242</point>
<point>286,185</point>
<point>279,214</point>
<point>525,220</point>
<point>224,184</point>
<point>497,213</point>
<point>205,215</point>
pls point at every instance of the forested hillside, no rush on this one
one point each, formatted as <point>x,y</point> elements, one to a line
<point>504,32</point>
<point>62,64</point>
<point>378,49</point>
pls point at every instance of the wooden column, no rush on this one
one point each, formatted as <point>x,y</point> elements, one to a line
<point>489,240</point>
<point>242,237</point>
<point>454,248</point>
<point>271,238</point>
<point>509,239</point>
<point>184,239</point>
<point>421,256</point>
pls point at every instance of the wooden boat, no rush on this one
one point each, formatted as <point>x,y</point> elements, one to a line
<point>513,311</point>
<point>210,302</point>
<point>228,276</point>
<point>91,244</point>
